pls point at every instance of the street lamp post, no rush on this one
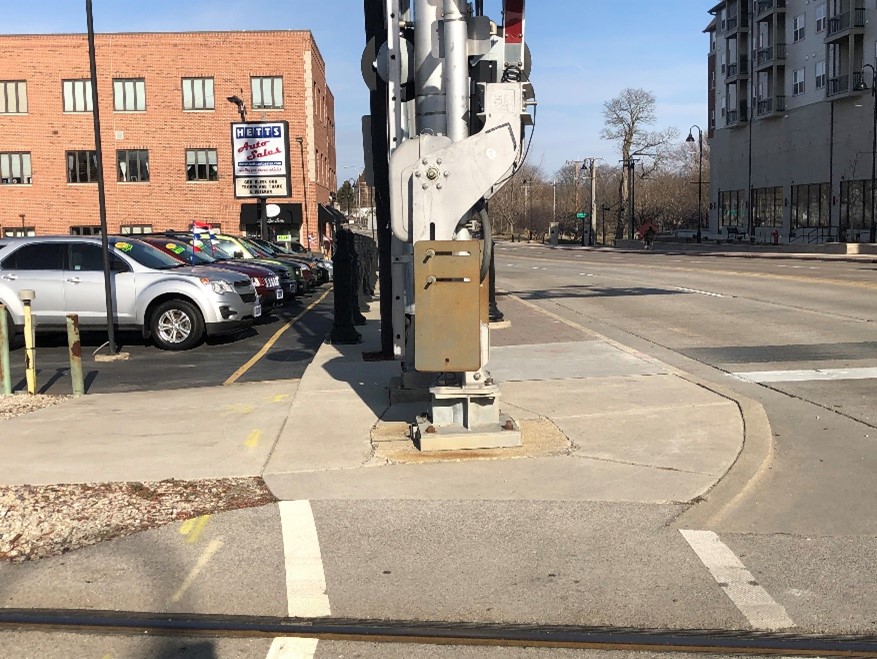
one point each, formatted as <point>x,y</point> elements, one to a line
<point>690,138</point>
<point>301,147</point>
<point>861,86</point>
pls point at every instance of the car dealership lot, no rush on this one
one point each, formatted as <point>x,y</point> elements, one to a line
<point>301,327</point>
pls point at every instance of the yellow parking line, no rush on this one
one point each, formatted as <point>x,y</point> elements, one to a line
<point>193,528</point>
<point>270,343</point>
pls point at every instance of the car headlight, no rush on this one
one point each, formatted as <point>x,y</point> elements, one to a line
<point>219,286</point>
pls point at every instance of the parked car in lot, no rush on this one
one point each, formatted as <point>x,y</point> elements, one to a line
<point>291,274</point>
<point>265,281</point>
<point>175,305</point>
<point>324,267</point>
<point>244,249</point>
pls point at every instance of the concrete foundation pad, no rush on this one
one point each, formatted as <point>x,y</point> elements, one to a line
<point>505,434</point>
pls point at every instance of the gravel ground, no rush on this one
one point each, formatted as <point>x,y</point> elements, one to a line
<point>37,521</point>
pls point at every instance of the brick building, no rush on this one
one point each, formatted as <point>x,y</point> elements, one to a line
<point>165,125</point>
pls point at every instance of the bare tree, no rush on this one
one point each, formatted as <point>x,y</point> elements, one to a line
<point>626,117</point>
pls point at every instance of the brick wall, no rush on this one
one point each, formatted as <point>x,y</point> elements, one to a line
<point>168,200</point>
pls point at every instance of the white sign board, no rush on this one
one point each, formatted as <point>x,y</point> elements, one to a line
<point>260,151</point>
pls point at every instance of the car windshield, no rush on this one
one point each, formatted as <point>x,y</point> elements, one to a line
<point>214,249</point>
<point>145,254</point>
<point>185,253</point>
<point>257,250</point>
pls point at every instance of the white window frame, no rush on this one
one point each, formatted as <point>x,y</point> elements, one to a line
<point>265,91</point>
<point>13,97</point>
<point>799,28</point>
<point>198,94</point>
<point>820,74</point>
<point>129,94</point>
<point>76,95</point>
<point>16,168</point>
<point>821,17</point>
<point>798,79</point>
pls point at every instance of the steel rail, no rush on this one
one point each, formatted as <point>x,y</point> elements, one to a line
<point>443,633</point>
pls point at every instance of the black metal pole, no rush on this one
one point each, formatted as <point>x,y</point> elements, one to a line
<point>374,29</point>
<point>101,194</point>
<point>873,229</point>
<point>699,183</point>
<point>263,218</point>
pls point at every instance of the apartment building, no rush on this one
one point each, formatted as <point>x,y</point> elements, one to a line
<point>165,129</point>
<point>791,123</point>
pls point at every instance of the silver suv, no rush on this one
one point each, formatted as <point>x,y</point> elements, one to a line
<point>172,303</point>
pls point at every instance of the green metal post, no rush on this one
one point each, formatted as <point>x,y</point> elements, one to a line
<point>5,375</point>
<point>75,348</point>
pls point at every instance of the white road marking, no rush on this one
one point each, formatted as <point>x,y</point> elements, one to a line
<point>293,648</point>
<point>305,580</point>
<point>699,292</point>
<point>212,548</point>
<point>809,375</point>
<point>753,601</point>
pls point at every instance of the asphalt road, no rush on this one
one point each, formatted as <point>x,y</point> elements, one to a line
<point>737,321</point>
<point>217,361</point>
<point>805,532</point>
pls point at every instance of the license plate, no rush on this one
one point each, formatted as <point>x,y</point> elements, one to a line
<point>257,310</point>
<point>279,293</point>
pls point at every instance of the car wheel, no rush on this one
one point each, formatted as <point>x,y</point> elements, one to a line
<point>176,325</point>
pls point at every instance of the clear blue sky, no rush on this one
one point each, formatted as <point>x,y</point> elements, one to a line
<point>584,53</point>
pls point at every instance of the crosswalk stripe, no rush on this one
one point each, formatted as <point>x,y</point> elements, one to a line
<point>809,375</point>
<point>753,601</point>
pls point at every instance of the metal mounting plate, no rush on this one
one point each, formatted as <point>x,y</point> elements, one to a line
<point>448,301</point>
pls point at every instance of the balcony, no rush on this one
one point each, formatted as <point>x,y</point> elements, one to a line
<point>735,70</point>
<point>764,8</point>
<point>843,85</point>
<point>769,106</point>
<point>845,24</point>
<point>770,56</point>
<point>737,118</point>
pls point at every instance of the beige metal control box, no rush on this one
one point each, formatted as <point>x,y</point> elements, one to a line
<point>448,301</point>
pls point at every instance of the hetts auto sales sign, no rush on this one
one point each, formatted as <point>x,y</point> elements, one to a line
<point>261,159</point>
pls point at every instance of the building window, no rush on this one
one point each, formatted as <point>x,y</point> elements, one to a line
<point>133,165</point>
<point>129,95</point>
<point>855,213</point>
<point>820,17</point>
<point>198,94</point>
<point>77,95</point>
<point>798,28</point>
<point>135,229</point>
<point>201,165</point>
<point>810,205</point>
<point>820,75</point>
<point>13,97</point>
<point>730,204</point>
<point>768,205</point>
<point>797,82</point>
<point>267,93</point>
<point>82,167</point>
<point>15,169</point>
<point>85,231</point>
<point>19,232</point>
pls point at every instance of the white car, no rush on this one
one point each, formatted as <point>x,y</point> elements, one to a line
<point>174,304</point>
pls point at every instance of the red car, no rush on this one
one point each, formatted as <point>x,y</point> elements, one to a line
<point>265,280</point>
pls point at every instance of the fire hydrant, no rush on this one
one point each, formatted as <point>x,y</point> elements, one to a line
<point>776,237</point>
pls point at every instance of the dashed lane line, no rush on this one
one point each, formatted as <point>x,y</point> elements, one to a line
<point>753,601</point>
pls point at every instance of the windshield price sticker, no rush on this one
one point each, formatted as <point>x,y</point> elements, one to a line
<point>125,247</point>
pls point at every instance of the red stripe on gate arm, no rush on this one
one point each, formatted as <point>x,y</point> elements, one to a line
<point>514,21</point>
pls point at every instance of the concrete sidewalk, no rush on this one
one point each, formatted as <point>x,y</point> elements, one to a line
<point>598,422</point>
